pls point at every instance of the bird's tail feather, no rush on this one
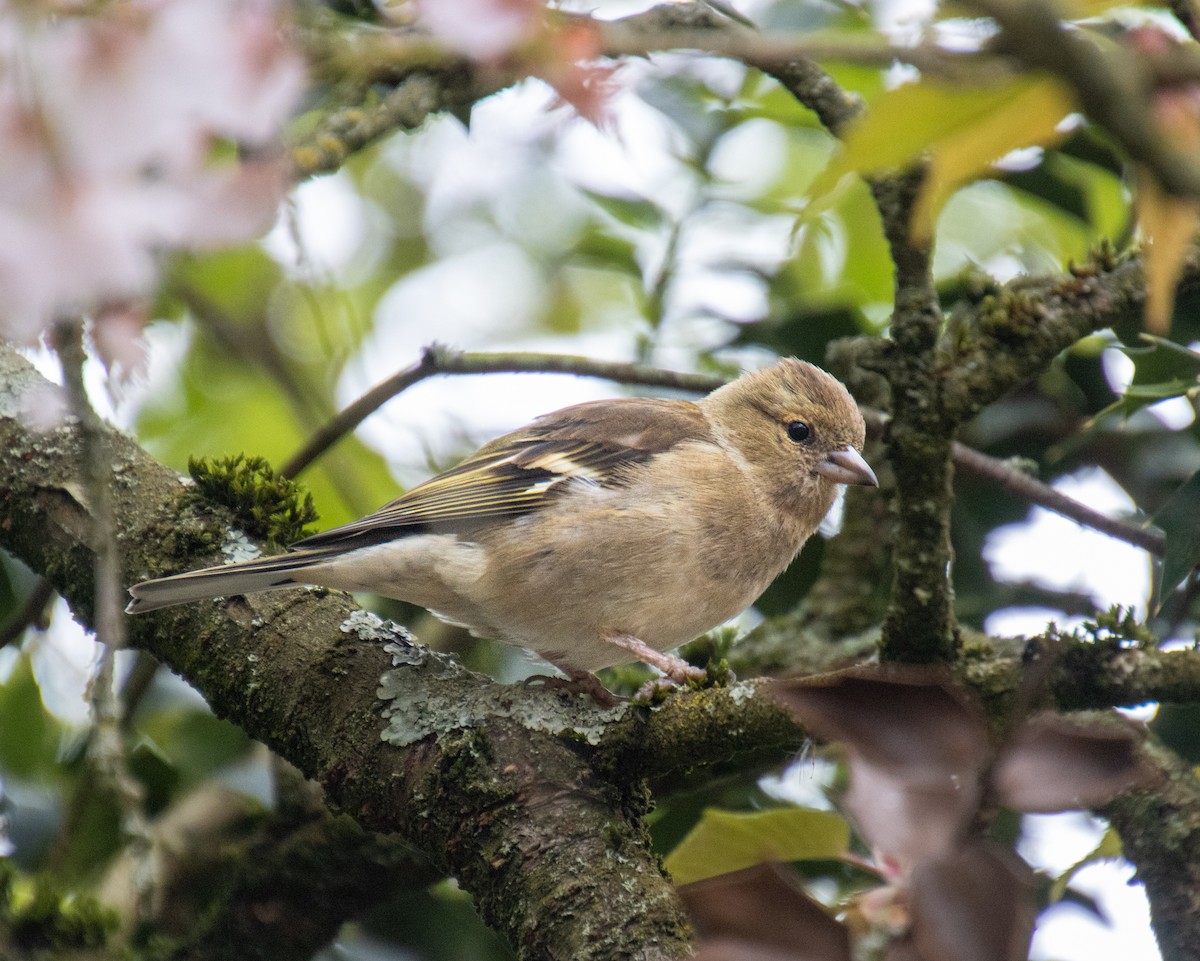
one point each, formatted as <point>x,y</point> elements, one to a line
<point>243,578</point>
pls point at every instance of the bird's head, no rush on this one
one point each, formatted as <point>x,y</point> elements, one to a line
<point>799,430</point>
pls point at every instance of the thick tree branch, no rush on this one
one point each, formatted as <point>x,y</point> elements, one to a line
<point>920,624</point>
<point>1090,676</point>
<point>1012,335</point>
<point>1160,834</point>
<point>514,813</point>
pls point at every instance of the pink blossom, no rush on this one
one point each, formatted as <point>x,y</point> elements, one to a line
<point>482,29</point>
<point>107,130</point>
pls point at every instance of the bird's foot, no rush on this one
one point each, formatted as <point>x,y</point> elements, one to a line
<point>676,671</point>
<point>579,682</point>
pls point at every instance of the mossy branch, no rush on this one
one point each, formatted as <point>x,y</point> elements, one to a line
<point>293,671</point>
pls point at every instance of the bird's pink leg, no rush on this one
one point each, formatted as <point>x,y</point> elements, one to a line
<point>676,669</point>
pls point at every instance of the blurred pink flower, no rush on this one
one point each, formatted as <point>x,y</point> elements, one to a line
<point>108,124</point>
<point>482,29</point>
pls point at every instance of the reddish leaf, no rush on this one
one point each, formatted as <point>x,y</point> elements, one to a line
<point>1053,763</point>
<point>904,820</point>
<point>917,747</point>
<point>760,914</point>
<point>903,718</point>
<point>973,904</point>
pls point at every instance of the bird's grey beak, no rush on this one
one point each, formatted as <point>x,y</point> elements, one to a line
<point>846,466</point>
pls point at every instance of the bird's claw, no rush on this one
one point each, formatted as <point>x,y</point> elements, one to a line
<point>583,682</point>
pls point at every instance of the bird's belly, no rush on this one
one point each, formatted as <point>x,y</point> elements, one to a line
<point>654,587</point>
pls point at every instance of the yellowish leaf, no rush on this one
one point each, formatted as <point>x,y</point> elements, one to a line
<point>724,841</point>
<point>1029,117</point>
<point>961,130</point>
<point>1108,848</point>
<point>1168,224</point>
<point>1082,9</point>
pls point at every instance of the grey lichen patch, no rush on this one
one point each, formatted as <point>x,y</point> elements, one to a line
<point>25,395</point>
<point>741,692</point>
<point>415,709</point>
<point>368,627</point>
<point>238,547</point>
<point>427,693</point>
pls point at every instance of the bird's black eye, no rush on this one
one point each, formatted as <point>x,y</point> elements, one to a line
<point>798,431</point>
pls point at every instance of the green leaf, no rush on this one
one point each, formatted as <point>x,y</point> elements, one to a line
<point>636,212</point>
<point>238,281</point>
<point>1161,370</point>
<point>192,743</point>
<point>29,735</point>
<point>1108,848</point>
<point>1179,519</point>
<point>603,248</point>
<point>726,841</point>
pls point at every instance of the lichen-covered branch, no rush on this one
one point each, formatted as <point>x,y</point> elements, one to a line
<point>1012,335</point>
<point>344,132</point>
<point>286,889</point>
<point>1160,834</point>
<point>556,857</point>
<point>920,625</point>
<point>1089,676</point>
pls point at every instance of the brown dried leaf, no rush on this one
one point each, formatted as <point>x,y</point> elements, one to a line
<point>906,719</point>
<point>916,744</point>
<point>1054,763</point>
<point>1168,224</point>
<point>904,820</point>
<point>760,914</point>
<point>974,903</point>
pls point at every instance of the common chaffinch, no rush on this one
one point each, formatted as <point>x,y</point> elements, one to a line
<point>604,532</point>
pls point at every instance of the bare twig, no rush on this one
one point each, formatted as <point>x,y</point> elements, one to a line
<point>106,747</point>
<point>437,359</point>
<point>663,29</point>
<point>28,615</point>
<point>1032,489</point>
<point>67,340</point>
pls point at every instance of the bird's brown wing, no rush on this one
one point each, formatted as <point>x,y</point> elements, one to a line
<point>597,442</point>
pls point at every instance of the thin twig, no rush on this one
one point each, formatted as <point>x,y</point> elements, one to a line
<point>437,359</point>
<point>655,31</point>
<point>106,746</point>
<point>28,615</point>
<point>1032,489</point>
